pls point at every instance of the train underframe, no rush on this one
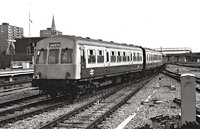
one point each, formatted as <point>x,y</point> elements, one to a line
<point>74,88</point>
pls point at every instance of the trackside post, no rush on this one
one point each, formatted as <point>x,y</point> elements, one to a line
<point>188,98</point>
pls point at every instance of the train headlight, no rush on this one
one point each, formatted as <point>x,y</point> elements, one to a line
<point>37,76</point>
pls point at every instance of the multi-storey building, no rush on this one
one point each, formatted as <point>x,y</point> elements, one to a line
<point>7,34</point>
<point>50,31</point>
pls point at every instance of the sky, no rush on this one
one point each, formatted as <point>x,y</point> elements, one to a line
<point>146,23</point>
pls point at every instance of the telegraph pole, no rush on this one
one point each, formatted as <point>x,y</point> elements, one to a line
<point>29,19</point>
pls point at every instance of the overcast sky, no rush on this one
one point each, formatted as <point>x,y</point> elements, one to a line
<point>147,23</point>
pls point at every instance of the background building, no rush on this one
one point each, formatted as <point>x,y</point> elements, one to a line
<point>24,51</point>
<point>7,34</point>
<point>50,31</point>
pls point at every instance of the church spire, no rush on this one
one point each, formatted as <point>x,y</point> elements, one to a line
<point>53,26</point>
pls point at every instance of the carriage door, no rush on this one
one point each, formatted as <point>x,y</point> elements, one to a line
<point>82,65</point>
<point>82,57</point>
<point>107,58</point>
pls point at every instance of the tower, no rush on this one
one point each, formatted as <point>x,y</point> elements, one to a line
<point>50,31</point>
<point>53,26</point>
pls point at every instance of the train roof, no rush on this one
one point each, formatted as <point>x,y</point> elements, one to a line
<point>76,38</point>
<point>95,40</point>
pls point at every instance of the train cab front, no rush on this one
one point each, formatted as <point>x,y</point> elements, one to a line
<point>54,65</point>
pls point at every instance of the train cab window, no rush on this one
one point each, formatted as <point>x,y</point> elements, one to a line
<point>41,56</point>
<point>66,56</point>
<point>100,56</point>
<point>53,56</point>
<point>113,56</point>
<point>91,56</point>
<point>118,57</point>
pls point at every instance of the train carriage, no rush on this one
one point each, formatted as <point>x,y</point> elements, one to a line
<point>69,64</point>
<point>153,59</point>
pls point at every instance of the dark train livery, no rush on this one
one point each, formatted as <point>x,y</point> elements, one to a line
<point>73,65</point>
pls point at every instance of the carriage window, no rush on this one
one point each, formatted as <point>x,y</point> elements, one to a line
<point>124,56</point>
<point>159,58</point>
<point>107,56</point>
<point>138,56</point>
<point>41,56</point>
<point>156,57</point>
<point>128,56</point>
<point>100,56</point>
<point>147,57</point>
<point>134,57</point>
<point>113,57</point>
<point>66,56</point>
<point>53,56</point>
<point>131,59</point>
<point>91,56</point>
<point>118,57</point>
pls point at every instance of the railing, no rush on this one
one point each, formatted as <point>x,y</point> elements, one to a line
<point>15,72</point>
<point>12,73</point>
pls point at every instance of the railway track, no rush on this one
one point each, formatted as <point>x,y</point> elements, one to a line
<point>24,106</point>
<point>44,105</point>
<point>53,104</point>
<point>12,102</point>
<point>178,102</point>
<point>176,76</point>
<point>194,65</point>
<point>92,113</point>
<point>9,87</point>
<point>8,92</point>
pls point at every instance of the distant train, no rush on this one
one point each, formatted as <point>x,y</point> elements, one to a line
<point>74,65</point>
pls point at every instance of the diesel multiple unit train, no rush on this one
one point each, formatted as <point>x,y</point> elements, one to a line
<point>74,65</point>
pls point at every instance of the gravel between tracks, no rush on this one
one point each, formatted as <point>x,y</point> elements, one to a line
<point>147,110</point>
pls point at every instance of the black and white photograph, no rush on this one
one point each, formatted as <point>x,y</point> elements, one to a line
<point>100,64</point>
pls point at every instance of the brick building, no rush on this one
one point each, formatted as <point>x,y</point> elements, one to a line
<point>24,49</point>
<point>7,34</point>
